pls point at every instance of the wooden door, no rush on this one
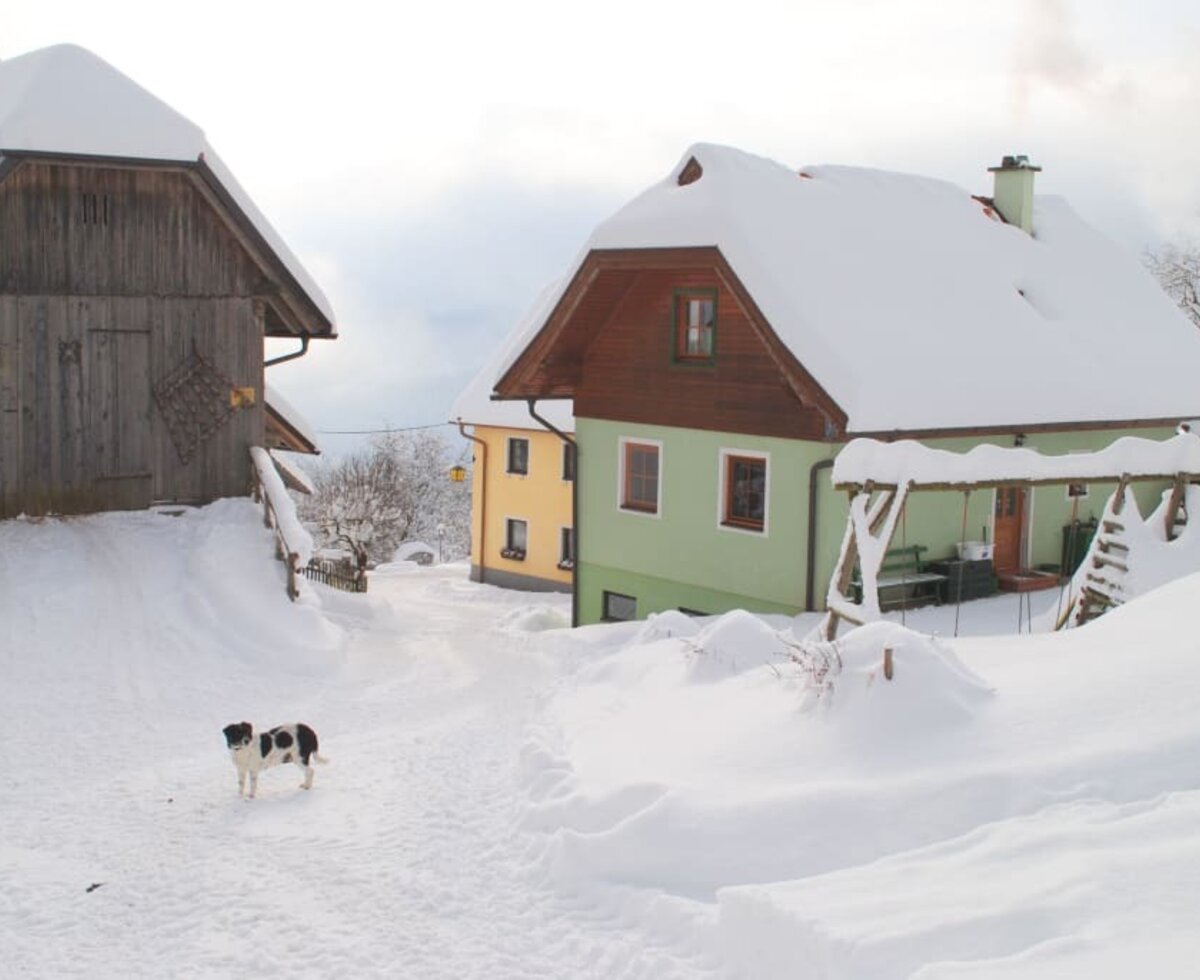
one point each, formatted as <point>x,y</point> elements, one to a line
<point>1007,528</point>
<point>119,417</point>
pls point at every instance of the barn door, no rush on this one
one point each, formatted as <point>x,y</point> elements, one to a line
<point>119,417</point>
<point>1008,528</point>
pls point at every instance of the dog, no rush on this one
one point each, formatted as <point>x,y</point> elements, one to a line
<point>282,744</point>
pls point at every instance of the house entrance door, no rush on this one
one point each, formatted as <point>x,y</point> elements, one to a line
<point>1007,528</point>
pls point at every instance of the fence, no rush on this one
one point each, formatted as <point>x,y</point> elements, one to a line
<point>335,575</point>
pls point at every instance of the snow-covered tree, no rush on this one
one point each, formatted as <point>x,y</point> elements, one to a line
<point>396,490</point>
<point>1177,269</point>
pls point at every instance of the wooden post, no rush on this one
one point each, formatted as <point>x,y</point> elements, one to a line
<point>292,591</point>
<point>1177,491</point>
<point>888,668</point>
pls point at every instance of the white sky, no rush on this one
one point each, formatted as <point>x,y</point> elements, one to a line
<point>435,165</point>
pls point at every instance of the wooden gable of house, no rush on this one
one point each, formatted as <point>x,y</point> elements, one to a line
<point>610,345</point>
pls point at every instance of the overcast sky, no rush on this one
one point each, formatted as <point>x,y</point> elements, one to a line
<point>434,166</point>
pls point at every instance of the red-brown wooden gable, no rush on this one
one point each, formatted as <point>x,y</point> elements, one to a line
<point>630,373</point>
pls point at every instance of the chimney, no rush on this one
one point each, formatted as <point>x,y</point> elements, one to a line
<point>1013,195</point>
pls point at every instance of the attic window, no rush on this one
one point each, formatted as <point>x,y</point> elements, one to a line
<point>691,172</point>
<point>695,325</point>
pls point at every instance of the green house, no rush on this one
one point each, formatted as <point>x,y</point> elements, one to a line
<point>729,329</point>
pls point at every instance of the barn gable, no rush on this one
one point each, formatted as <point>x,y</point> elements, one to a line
<point>134,298</point>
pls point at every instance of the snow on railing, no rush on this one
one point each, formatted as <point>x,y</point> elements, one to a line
<point>293,544</point>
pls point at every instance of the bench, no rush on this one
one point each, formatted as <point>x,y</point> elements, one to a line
<point>904,580</point>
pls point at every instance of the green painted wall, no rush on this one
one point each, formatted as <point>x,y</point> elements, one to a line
<point>682,557</point>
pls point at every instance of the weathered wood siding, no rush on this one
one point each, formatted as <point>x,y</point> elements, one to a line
<point>630,372</point>
<point>110,279</point>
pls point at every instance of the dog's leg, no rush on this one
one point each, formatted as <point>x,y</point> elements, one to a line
<point>308,775</point>
<point>241,781</point>
<point>253,783</point>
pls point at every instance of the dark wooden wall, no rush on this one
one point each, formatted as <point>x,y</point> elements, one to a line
<point>110,280</point>
<point>630,374</point>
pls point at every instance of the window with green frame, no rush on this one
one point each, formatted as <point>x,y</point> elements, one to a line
<point>695,317</point>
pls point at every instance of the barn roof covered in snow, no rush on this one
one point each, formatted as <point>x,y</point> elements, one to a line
<point>915,306</point>
<point>65,101</point>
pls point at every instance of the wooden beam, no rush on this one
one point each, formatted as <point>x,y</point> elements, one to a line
<point>961,486</point>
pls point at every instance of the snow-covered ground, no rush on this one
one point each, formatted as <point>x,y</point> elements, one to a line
<point>508,798</point>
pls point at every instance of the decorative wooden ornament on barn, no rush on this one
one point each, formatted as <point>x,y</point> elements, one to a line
<point>195,399</point>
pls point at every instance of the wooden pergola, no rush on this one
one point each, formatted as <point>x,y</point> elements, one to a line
<point>877,506</point>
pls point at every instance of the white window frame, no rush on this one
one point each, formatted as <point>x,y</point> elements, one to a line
<point>508,455</point>
<point>722,468</point>
<point>528,535</point>
<point>622,442</point>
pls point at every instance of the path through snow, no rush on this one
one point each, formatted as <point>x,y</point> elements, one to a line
<point>130,640</point>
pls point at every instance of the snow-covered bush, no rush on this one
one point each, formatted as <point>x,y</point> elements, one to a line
<point>395,490</point>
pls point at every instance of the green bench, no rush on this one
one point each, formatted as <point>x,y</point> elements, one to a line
<point>904,579</point>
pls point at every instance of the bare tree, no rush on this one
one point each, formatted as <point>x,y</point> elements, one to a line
<point>1177,268</point>
<point>396,490</point>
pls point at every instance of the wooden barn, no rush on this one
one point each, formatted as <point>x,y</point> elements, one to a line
<point>137,284</point>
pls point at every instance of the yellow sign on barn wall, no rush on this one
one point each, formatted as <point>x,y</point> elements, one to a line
<point>242,397</point>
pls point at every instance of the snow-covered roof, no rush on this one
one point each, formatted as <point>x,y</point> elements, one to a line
<point>284,410</point>
<point>898,463</point>
<point>475,405</point>
<point>64,99</point>
<point>915,307</point>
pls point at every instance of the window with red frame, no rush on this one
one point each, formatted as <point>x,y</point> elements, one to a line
<point>745,492</point>
<point>640,483</point>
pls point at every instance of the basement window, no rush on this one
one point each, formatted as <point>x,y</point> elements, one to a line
<point>618,608</point>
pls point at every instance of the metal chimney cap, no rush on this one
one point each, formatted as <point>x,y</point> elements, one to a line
<point>1015,161</point>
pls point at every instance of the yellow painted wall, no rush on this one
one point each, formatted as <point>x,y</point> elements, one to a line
<point>542,498</point>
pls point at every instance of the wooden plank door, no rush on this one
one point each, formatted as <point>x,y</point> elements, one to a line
<point>119,417</point>
<point>1007,528</point>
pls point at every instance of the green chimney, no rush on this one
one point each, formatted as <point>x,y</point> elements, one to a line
<point>1013,195</point>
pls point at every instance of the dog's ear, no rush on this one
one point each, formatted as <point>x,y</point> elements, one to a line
<point>249,728</point>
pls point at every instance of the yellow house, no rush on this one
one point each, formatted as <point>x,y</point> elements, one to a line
<point>522,531</point>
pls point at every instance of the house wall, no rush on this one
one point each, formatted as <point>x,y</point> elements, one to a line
<point>542,498</point>
<point>114,280</point>
<point>683,558</point>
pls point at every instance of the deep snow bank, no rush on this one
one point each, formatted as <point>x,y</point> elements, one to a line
<point>110,607</point>
<point>723,760</point>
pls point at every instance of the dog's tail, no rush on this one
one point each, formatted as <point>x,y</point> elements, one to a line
<point>317,757</point>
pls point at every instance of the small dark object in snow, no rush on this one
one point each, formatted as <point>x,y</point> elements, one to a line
<point>170,799</point>
<point>93,886</point>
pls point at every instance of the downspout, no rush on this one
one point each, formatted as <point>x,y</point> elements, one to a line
<point>304,338</point>
<point>811,561</point>
<point>482,471</point>
<point>532,402</point>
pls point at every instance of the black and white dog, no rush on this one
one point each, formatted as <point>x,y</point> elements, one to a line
<point>284,743</point>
